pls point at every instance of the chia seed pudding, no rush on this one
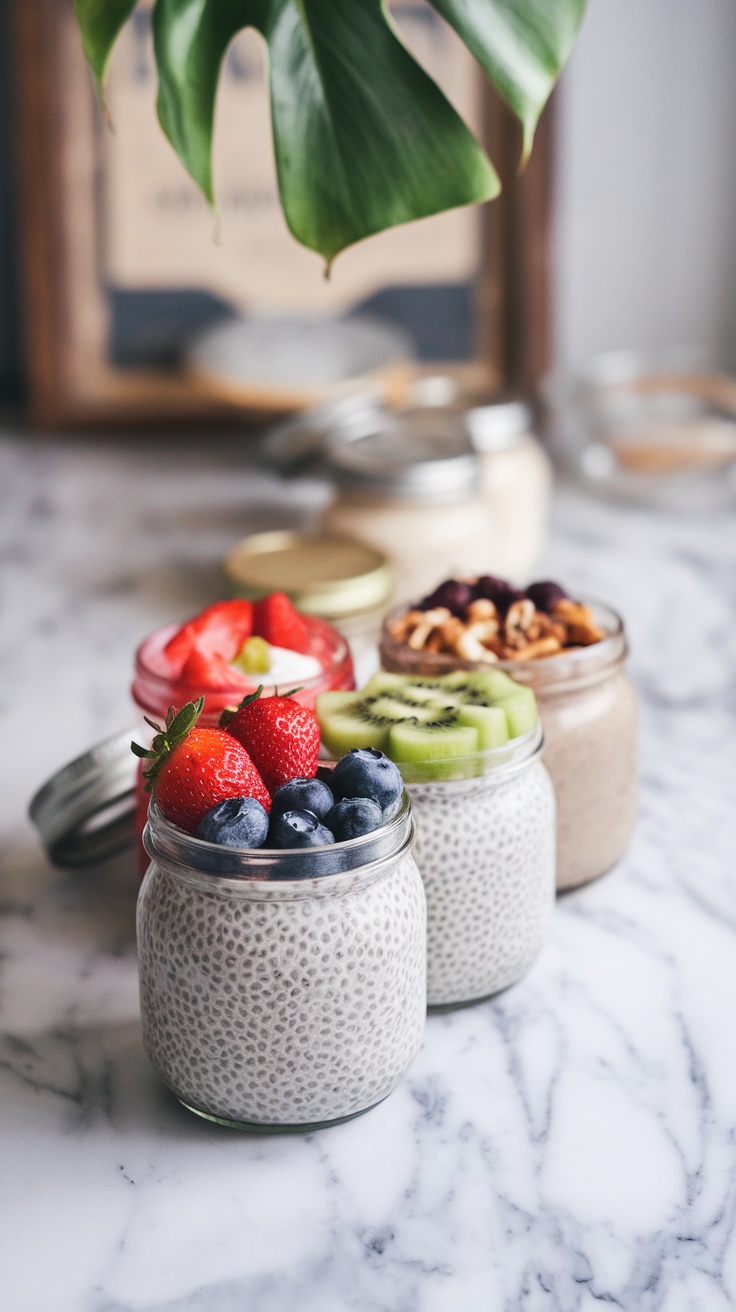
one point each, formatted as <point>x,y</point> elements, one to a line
<point>486,851</point>
<point>275,1002</point>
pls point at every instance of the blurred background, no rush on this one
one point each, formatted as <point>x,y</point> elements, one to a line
<point>643,234</point>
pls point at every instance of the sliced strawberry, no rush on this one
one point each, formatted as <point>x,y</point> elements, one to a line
<point>280,736</point>
<point>211,672</point>
<point>192,769</point>
<point>276,620</point>
<point>220,630</point>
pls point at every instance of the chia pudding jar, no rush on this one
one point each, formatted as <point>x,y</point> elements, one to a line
<point>485,848</point>
<point>588,710</point>
<point>288,993</point>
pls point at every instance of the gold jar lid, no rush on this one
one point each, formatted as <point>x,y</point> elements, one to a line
<point>325,575</point>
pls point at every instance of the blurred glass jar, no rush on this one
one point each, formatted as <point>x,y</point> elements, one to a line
<point>282,989</point>
<point>517,481</point>
<point>412,489</point>
<point>437,487</point>
<point>588,710</point>
<point>658,428</point>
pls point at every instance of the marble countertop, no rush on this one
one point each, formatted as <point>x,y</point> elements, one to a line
<point>570,1144</point>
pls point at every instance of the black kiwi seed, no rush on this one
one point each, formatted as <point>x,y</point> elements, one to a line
<point>364,711</point>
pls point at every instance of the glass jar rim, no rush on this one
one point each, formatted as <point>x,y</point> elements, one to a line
<point>271,872</point>
<point>153,691</point>
<point>566,670</point>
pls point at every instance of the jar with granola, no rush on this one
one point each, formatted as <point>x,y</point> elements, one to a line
<point>572,654</point>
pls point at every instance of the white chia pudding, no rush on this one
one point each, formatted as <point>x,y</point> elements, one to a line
<point>485,848</point>
<point>283,1002</point>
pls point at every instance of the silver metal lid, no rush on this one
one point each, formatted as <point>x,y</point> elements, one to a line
<point>293,442</point>
<point>497,427</point>
<point>421,455</point>
<point>86,812</point>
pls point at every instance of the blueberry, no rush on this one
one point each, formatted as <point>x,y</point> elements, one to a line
<point>302,795</point>
<point>546,595</point>
<point>366,772</point>
<point>354,816</point>
<point>298,829</point>
<point>498,591</point>
<point>455,595</point>
<point>236,822</point>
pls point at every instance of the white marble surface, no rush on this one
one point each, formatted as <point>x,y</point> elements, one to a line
<point>568,1145</point>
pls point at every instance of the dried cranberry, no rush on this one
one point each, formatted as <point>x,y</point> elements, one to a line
<point>546,595</point>
<point>452,594</point>
<point>498,591</point>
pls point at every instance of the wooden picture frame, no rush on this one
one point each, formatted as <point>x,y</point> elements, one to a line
<point>71,378</point>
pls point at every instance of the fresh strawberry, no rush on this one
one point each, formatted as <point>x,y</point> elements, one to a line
<point>276,620</point>
<point>280,736</point>
<point>211,672</point>
<point>220,630</point>
<point>193,769</point>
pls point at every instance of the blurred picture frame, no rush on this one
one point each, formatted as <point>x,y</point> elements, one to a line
<point>125,275</point>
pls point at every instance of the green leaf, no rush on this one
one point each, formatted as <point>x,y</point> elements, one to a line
<point>521,44</point>
<point>100,22</point>
<point>363,138</point>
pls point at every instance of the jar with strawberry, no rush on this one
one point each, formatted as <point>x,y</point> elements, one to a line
<point>227,651</point>
<point>282,967</point>
<point>232,647</point>
<point>96,805</point>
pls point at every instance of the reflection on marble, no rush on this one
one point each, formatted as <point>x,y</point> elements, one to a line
<point>570,1144</point>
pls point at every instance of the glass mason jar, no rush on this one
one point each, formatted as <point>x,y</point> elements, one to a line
<point>154,690</point>
<point>517,481</point>
<point>411,487</point>
<point>288,990</point>
<point>97,805</point>
<point>485,848</point>
<point>588,710</point>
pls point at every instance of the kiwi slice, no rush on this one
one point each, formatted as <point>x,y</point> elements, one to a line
<point>428,720</point>
<point>344,724</point>
<point>488,686</point>
<point>383,681</point>
<point>520,707</point>
<point>491,723</point>
<point>436,749</point>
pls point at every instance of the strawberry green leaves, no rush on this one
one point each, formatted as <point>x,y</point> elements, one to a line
<point>363,138</point>
<point>179,725</point>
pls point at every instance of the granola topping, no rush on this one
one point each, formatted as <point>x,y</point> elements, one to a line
<point>497,623</point>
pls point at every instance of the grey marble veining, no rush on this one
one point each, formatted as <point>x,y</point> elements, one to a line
<point>570,1144</point>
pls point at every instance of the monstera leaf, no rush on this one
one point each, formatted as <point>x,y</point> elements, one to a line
<point>364,139</point>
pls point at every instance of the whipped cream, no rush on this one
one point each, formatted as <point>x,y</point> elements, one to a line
<point>287,668</point>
